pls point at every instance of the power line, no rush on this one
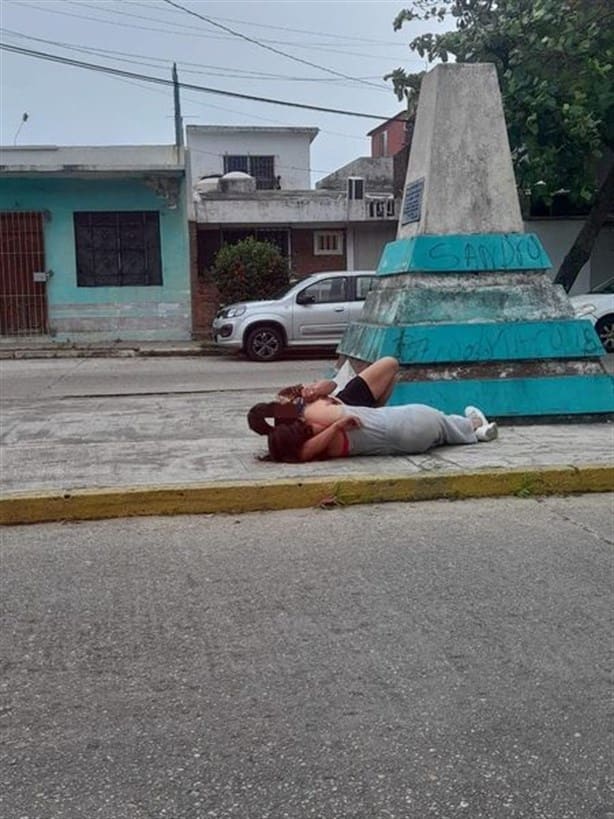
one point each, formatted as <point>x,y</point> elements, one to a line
<point>267,47</point>
<point>271,27</point>
<point>186,32</point>
<point>139,84</point>
<point>187,86</point>
<point>275,122</point>
<point>154,62</point>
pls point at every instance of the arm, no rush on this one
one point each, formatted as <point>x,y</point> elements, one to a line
<point>318,445</point>
<point>319,389</point>
<point>308,392</point>
<point>289,394</point>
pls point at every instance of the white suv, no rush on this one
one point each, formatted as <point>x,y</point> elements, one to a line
<point>309,313</point>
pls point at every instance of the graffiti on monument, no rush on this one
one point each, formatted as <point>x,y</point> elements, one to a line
<point>464,252</point>
<point>504,342</point>
<point>496,252</point>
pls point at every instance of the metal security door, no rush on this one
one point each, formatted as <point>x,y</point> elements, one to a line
<point>23,294</point>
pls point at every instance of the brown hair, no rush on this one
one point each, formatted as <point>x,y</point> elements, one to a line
<point>258,414</point>
<point>285,439</point>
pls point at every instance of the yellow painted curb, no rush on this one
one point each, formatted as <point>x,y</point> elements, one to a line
<point>245,496</point>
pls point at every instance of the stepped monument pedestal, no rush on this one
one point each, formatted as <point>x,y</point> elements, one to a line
<point>464,298</point>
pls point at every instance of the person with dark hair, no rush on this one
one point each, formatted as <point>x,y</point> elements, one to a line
<point>372,387</point>
<point>319,431</point>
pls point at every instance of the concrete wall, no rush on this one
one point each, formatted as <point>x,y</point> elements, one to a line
<point>106,313</point>
<point>558,235</point>
<point>602,259</point>
<point>93,157</point>
<point>368,242</point>
<point>376,171</point>
<point>273,208</point>
<point>289,146</point>
<point>263,208</point>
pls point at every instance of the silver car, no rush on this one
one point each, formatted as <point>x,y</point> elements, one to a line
<point>312,312</point>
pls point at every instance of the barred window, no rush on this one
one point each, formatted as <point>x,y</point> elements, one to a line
<point>328,243</point>
<point>262,168</point>
<point>118,248</point>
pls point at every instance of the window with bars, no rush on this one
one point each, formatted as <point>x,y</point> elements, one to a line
<point>328,243</point>
<point>118,248</point>
<point>262,168</point>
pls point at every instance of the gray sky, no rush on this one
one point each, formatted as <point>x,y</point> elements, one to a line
<point>67,105</point>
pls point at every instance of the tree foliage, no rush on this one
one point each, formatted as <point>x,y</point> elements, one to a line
<point>249,269</point>
<point>555,63</point>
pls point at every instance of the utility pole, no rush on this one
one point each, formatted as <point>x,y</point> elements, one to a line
<point>178,120</point>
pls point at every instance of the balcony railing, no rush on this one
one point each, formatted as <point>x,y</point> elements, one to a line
<point>380,208</point>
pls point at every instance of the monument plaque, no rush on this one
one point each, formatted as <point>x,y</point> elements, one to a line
<point>412,205</point>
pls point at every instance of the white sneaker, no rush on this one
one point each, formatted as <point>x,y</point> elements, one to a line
<point>487,432</point>
<point>474,412</point>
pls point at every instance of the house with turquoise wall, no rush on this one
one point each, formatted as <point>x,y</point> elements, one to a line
<point>94,243</point>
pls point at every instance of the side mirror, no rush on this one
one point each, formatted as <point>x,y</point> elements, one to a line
<point>305,298</point>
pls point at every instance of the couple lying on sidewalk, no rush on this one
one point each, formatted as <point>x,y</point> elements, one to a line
<point>310,424</point>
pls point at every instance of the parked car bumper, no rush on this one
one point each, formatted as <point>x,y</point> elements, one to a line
<point>226,334</point>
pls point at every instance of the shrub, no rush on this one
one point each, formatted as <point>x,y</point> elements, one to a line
<point>249,269</point>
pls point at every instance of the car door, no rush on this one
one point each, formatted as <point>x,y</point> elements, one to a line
<point>321,310</point>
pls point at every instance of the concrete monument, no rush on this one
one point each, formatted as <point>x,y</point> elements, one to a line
<point>464,299</point>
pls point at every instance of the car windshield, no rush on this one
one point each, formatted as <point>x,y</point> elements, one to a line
<point>278,294</point>
<point>604,287</point>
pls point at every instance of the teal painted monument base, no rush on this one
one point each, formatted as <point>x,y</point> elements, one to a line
<point>514,397</point>
<point>463,253</point>
<point>506,340</point>
<point>472,342</point>
<point>493,347</point>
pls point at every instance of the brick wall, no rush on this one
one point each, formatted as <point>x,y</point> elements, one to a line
<point>303,260</point>
<point>394,140</point>
<point>205,297</point>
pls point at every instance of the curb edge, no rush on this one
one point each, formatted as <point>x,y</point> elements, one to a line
<point>239,497</point>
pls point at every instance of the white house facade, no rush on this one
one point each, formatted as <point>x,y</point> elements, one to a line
<point>255,182</point>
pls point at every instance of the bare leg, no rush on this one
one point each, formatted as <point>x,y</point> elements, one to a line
<point>381,377</point>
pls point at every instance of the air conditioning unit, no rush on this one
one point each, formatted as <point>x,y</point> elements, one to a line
<point>356,187</point>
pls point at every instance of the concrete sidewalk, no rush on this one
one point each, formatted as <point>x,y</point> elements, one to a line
<point>88,457</point>
<point>30,347</point>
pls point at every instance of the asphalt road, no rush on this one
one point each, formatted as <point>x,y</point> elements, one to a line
<point>49,378</point>
<point>426,660</point>
<point>38,379</point>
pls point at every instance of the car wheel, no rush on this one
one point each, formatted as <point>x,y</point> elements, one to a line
<point>265,343</point>
<point>605,331</point>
